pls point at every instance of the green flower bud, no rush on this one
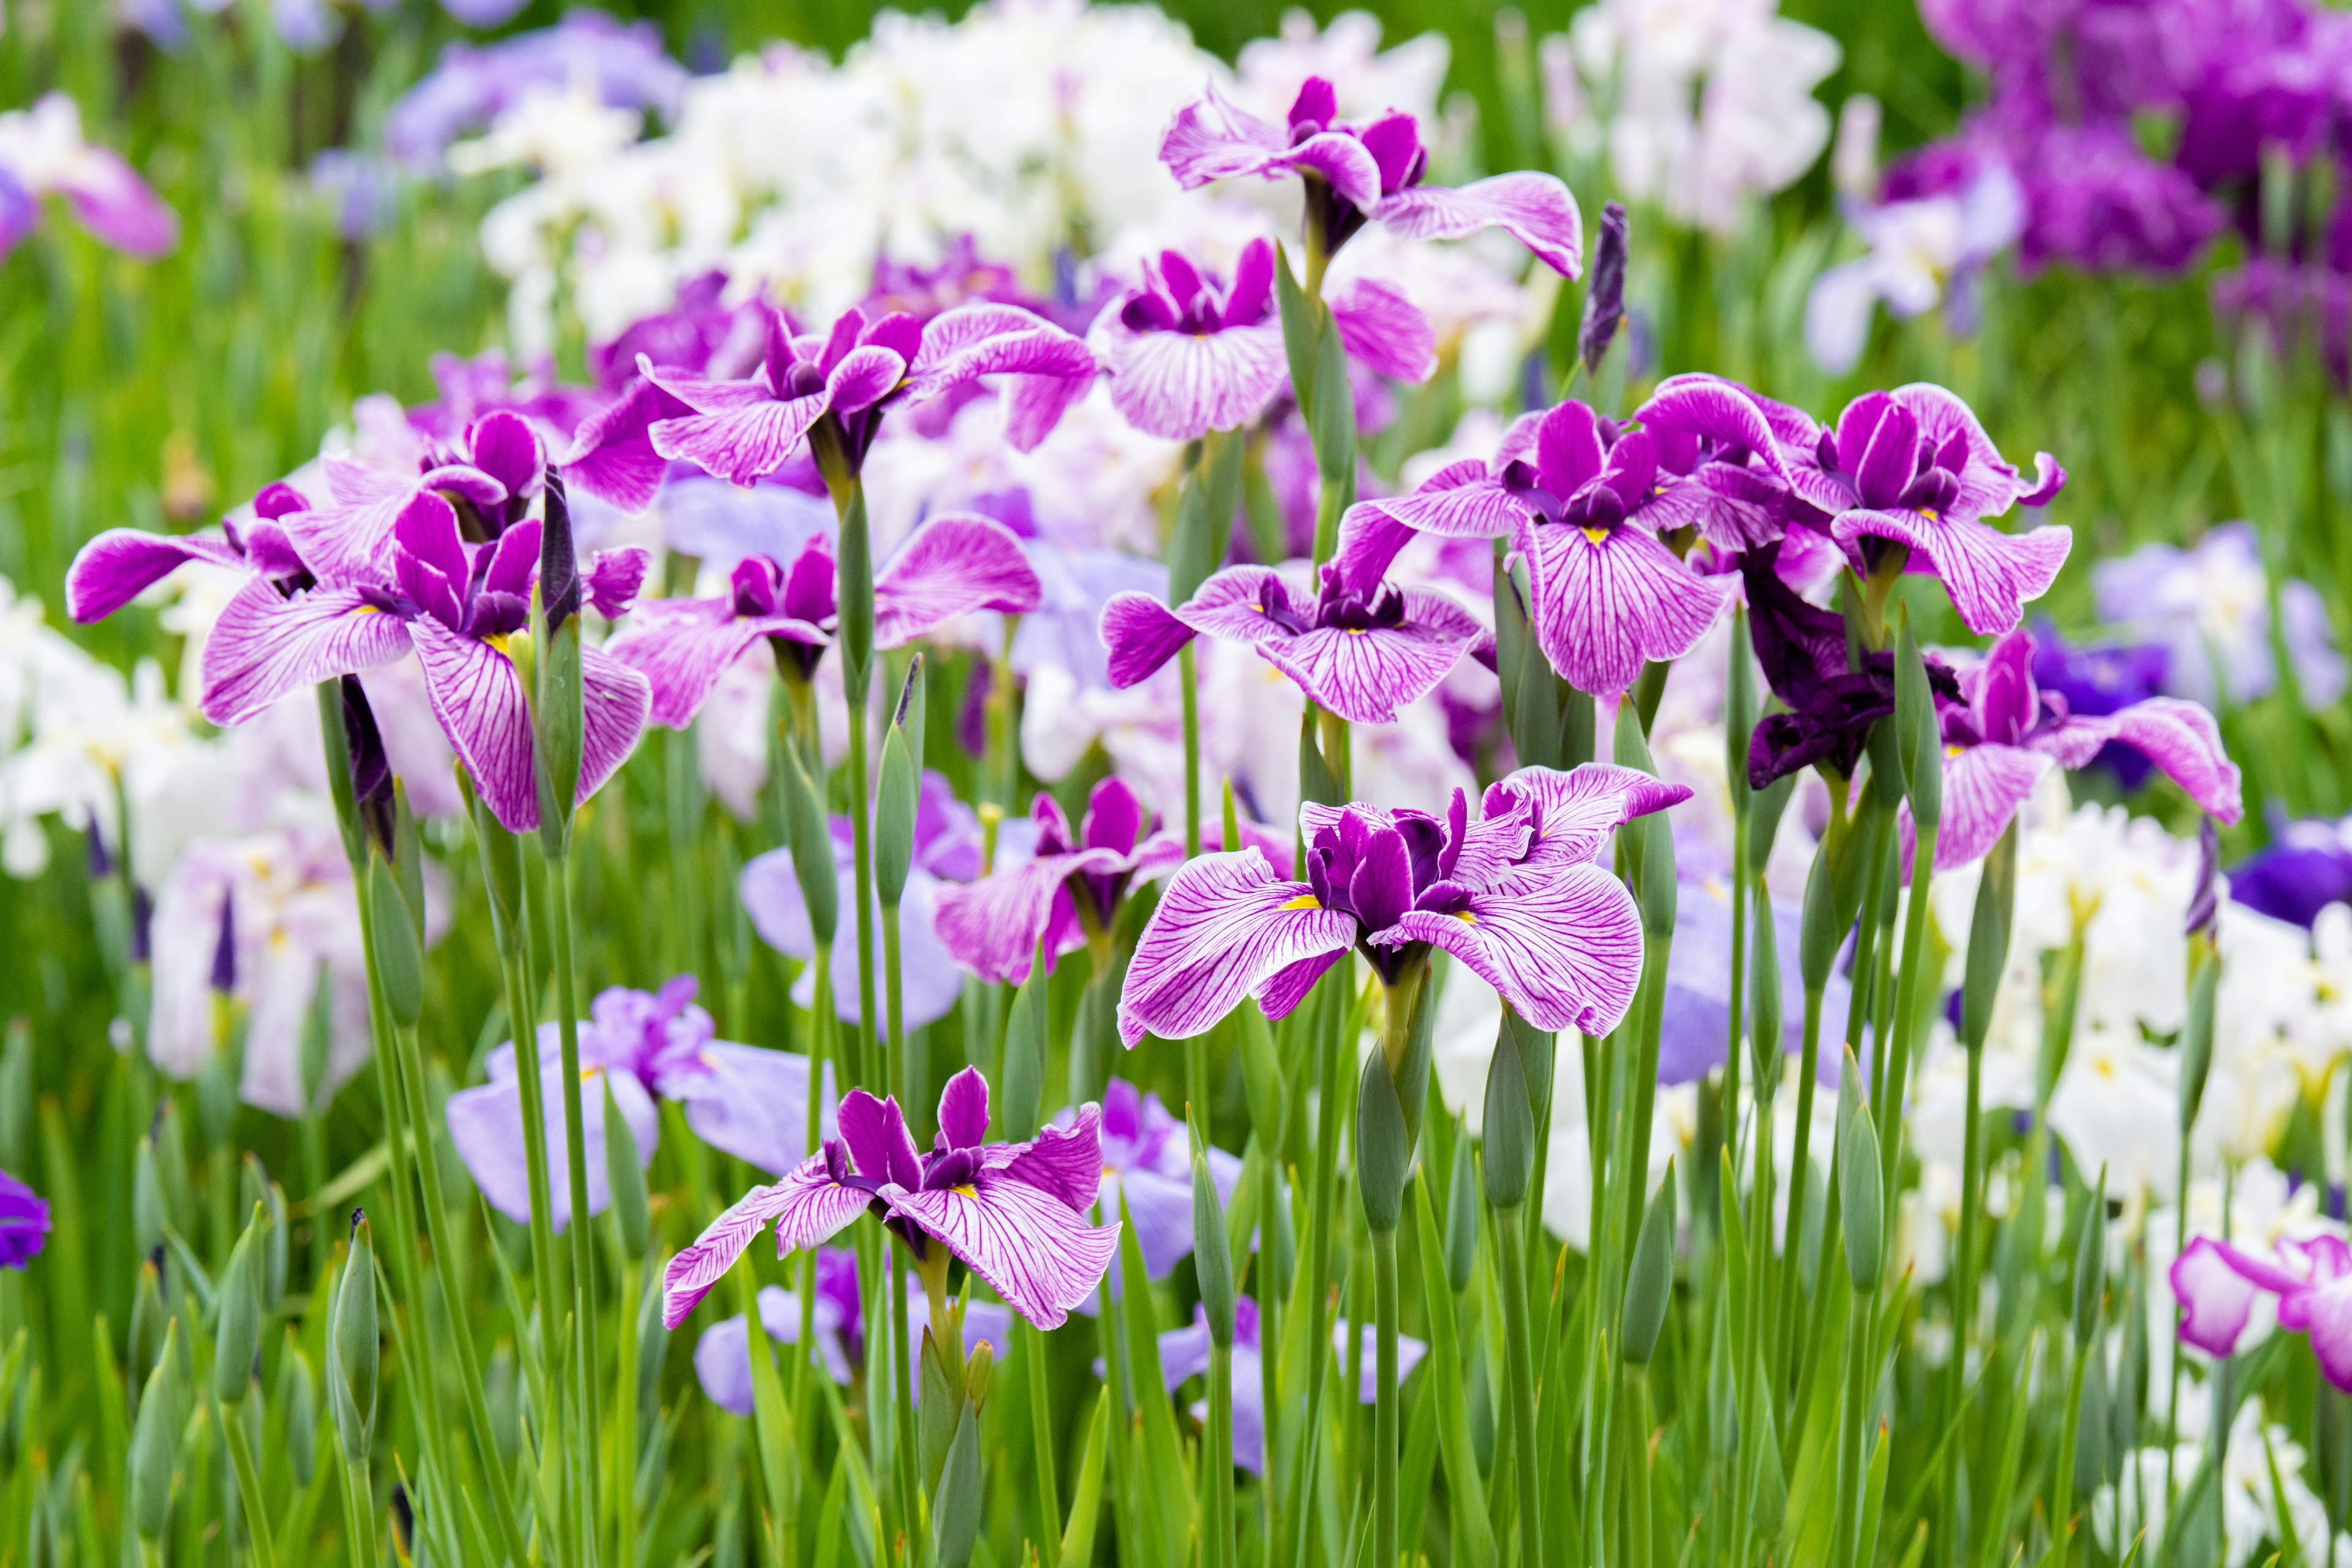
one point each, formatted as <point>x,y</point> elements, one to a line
<point>1919,734</point>
<point>1989,929</point>
<point>399,957</point>
<point>297,1402</point>
<point>236,1331</point>
<point>853,593</point>
<point>155,1442</point>
<point>895,802</point>
<point>16,1094</point>
<point>1738,706</point>
<point>1650,1277</point>
<point>1861,1186</point>
<point>1212,1264</point>
<point>2091,1265</point>
<point>352,1347</point>
<point>1765,1039</point>
<point>1383,1145</point>
<point>1509,1128</point>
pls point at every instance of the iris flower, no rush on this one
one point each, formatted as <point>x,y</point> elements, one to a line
<point>1147,1163</point>
<point>2006,732</point>
<point>1013,1214</point>
<point>1363,649</point>
<point>1372,170</point>
<point>1184,1352</point>
<point>950,566</point>
<point>1516,895</point>
<point>2217,1284</point>
<point>743,1101</point>
<point>42,154</point>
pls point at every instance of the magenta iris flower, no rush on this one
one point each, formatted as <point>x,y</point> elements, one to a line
<point>2217,1284</point>
<point>2006,732</point>
<point>953,564</point>
<point>1013,1214</point>
<point>23,1223</point>
<point>743,1101</point>
<point>121,563</point>
<point>1361,652</point>
<point>1184,1354</point>
<point>1373,170</point>
<point>743,431</point>
<point>1515,894</point>
<point>487,475</point>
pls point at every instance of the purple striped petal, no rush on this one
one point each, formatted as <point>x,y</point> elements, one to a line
<point>1370,542</point>
<point>264,647</point>
<point>1990,484</point>
<point>1990,575</point>
<point>863,378</point>
<point>683,645</point>
<point>1213,139</point>
<point>1460,500</point>
<point>2177,736</point>
<point>1983,788</point>
<point>963,1111</point>
<point>119,564</point>
<point>1366,676</point>
<point>991,927</point>
<point>808,1208</point>
<point>612,456</point>
<point>954,565</point>
<point>1066,1162</point>
<point>1224,929</point>
<point>1606,601</point>
<point>1181,385</point>
<point>1033,1250</point>
<point>1141,635</point>
<point>614,701</point>
<point>1345,163</point>
<point>1577,810</point>
<point>1537,210</point>
<point>351,537</point>
<point>977,340</point>
<point>1564,950</point>
<point>741,444</point>
<point>1383,332</point>
<point>1034,404</point>
<point>1723,411</point>
<point>479,699</point>
<point>874,1130</point>
<point>1232,604</point>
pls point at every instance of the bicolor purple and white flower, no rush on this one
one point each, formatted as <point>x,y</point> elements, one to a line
<point>743,1101</point>
<point>1013,1214</point>
<point>2217,1284</point>
<point>1184,1354</point>
<point>487,477</point>
<point>1370,170</point>
<point>121,563</point>
<point>1362,647</point>
<point>42,154</point>
<point>1515,894</point>
<point>951,566</point>
<point>2007,732</point>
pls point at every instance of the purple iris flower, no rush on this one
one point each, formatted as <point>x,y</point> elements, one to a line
<point>745,429</point>
<point>700,334</point>
<point>1184,1354</point>
<point>744,1100</point>
<point>42,154</point>
<point>624,63</point>
<point>1148,1161</point>
<point>952,566</point>
<point>1697,1020</point>
<point>1372,170</point>
<point>1513,894</point>
<point>23,1222</point>
<point>2217,1283</point>
<point>1188,353</point>
<point>473,389</point>
<point>2306,867</point>
<point>121,563</point>
<point>1361,647</point>
<point>946,851</point>
<point>1013,1214</point>
<point>2005,733</point>
<point>722,1356</point>
<point>487,477</point>
<point>2099,679</point>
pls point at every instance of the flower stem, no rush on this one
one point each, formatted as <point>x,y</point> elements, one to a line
<point>584,1256</point>
<point>624,1416</point>
<point>359,1514</point>
<point>861,835</point>
<point>1384,1408</point>
<point>1511,1245</point>
<point>1188,678</point>
<point>1040,1431</point>
<point>811,1365</point>
<point>893,1072</point>
<point>1800,1171</point>
<point>1217,1451</point>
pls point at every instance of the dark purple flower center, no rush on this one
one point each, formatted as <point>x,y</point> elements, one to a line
<point>1377,871</point>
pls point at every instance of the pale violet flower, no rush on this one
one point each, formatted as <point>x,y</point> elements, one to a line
<point>2209,604</point>
<point>1921,252</point>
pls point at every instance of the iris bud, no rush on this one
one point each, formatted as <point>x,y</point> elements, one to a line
<point>1919,735</point>
<point>1212,1264</point>
<point>1509,1127</point>
<point>399,958</point>
<point>853,596</point>
<point>1765,1041</point>
<point>352,1347</point>
<point>2091,1265</point>
<point>1604,292</point>
<point>155,1442</point>
<point>1650,1277</point>
<point>1383,1146</point>
<point>236,1332</point>
<point>1738,706</point>
<point>16,1094</point>
<point>557,722</point>
<point>895,802</point>
<point>1989,929</point>
<point>625,1178</point>
<point>297,1400</point>
<point>1860,1184</point>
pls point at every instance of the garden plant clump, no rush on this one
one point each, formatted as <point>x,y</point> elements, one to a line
<point>1087,785</point>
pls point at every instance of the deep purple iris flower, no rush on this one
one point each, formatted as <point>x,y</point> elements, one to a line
<point>1184,1354</point>
<point>745,429</point>
<point>722,1356</point>
<point>1586,502</point>
<point>1361,647</point>
<point>1356,173</point>
<point>2102,678</point>
<point>487,477</point>
<point>1513,894</point>
<point>2307,866</point>
<point>2217,1284</point>
<point>23,1223</point>
<point>1188,352</point>
<point>952,566</point>
<point>743,1101</point>
<point>2005,733</point>
<point>121,563</point>
<point>1013,1214</point>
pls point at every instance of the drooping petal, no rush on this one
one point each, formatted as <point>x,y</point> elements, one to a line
<point>1343,162</point>
<point>1224,929</point>
<point>1990,575</point>
<point>2177,736</point>
<point>991,927</point>
<point>954,565</point>
<point>479,699</point>
<point>683,645</point>
<point>2323,1311</point>
<point>977,340</point>
<point>115,204</point>
<point>748,1101</point>
<point>1366,676</point>
<point>1606,601</point>
<point>1213,139</point>
<point>808,1207</point>
<point>1576,811</point>
<point>1034,1250</point>
<point>1535,209</point>
<point>614,700</point>
<point>1140,634</point>
<point>1564,949</point>
<point>2216,1284</point>
<point>742,444</point>
<point>1460,500</point>
<point>1983,788</point>
<point>1383,331</point>
<point>264,647</point>
<point>1181,385</point>
<point>486,1128</point>
<point>121,563</point>
<point>612,454</point>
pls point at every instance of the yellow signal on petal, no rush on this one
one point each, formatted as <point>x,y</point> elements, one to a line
<point>1303,902</point>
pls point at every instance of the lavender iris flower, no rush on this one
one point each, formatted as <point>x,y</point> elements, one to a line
<point>2005,733</point>
<point>2217,1284</point>
<point>952,566</point>
<point>42,154</point>
<point>722,1356</point>
<point>1013,1214</point>
<point>1695,1022</point>
<point>1184,1354</point>
<point>1514,895</point>
<point>1147,1163</point>
<point>1373,170</point>
<point>1361,647</point>
<point>744,1100</point>
<point>2209,604</point>
<point>624,63</point>
<point>2306,867</point>
<point>23,1223</point>
<point>946,851</point>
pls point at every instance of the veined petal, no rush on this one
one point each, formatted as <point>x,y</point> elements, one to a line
<point>1604,605</point>
<point>1576,811</point>
<point>683,645</point>
<point>1723,411</point>
<point>743,444</point>
<point>1034,1250</point>
<point>963,1109</point>
<point>1066,1162</point>
<point>1460,500</point>
<point>479,699</point>
<point>1141,633</point>
<point>119,564</point>
<point>992,926</point>
<point>612,456</point>
<point>2177,736</point>
<point>1990,484</point>
<point>808,1207</point>
<point>1224,929</point>
<point>708,396</point>
<point>1990,575</point>
<point>748,1101</point>
<point>1232,604</point>
<point>978,340</point>
<point>1345,163</point>
<point>264,647</point>
<point>1213,139</point>
<point>1535,209</point>
<point>1564,949</point>
<point>349,539</point>
<point>1383,331</point>
<point>954,565</point>
<point>1983,788</point>
<point>2325,1312</point>
<point>863,378</point>
<point>1181,385</point>
<point>1366,676</point>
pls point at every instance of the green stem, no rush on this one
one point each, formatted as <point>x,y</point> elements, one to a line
<point>1041,1432</point>
<point>861,835</point>
<point>359,1514</point>
<point>248,1486</point>
<point>1906,1008</point>
<point>894,1068</point>
<point>1384,1407</point>
<point>624,1414</point>
<point>1799,1176</point>
<point>2062,1494</point>
<point>1510,1237</point>
<point>1217,1455</point>
<point>1335,1018</point>
<point>1187,678</point>
<point>811,1365</point>
<point>584,1256</point>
